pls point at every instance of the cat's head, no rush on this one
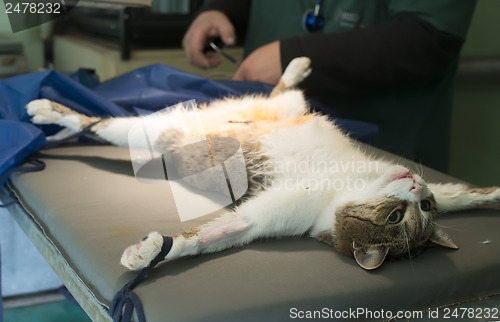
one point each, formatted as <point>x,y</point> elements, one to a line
<point>396,218</point>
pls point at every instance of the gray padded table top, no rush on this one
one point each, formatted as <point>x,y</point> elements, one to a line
<point>91,207</point>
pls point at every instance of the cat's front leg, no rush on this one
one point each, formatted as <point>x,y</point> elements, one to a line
<point>456,196</point>
<point>222,233</point>
<point>272,213</point>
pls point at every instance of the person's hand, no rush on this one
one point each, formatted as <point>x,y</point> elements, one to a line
<point>209,24</point>
<point>263,65</point>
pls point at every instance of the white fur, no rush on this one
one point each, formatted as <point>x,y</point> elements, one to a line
<point>296,71</point>
<point>285,106</point>
<point>452,197</point>
<point>43,113</point>
<point>140,255</point>
<point>295,202</point>
<point>116,130</point>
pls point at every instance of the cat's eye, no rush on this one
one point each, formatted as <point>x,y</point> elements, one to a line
<point>395,217</point>
<point>425,205</point>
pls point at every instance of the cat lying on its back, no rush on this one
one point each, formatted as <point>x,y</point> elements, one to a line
<point>365,208</point>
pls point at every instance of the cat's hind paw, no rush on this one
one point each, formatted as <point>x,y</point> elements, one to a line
<point>296,71</point>
<point>139,256</point>
<point>44,111</point>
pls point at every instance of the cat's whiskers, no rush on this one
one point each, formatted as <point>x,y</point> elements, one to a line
<point>435,224</point>
<point>414,236</point>
<point>408,246</point>
<point>420,170</point>
<point>440,213</point>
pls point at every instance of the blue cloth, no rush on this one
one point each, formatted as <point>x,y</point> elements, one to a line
<point>143,90</point>
<point>18,141</point>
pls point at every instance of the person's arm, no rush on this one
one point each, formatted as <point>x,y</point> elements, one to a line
<point>404,51</point>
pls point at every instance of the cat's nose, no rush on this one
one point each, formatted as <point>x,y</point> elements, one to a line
<point>416,188</point>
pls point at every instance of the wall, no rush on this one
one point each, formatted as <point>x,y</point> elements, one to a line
<point>475,148</point>
<point>32,39</point>
<point>23,268</point>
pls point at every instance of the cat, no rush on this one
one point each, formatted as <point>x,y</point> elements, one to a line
<point>305,177</point>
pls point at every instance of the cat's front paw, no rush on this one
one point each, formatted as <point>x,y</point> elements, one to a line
<point>139,256</point>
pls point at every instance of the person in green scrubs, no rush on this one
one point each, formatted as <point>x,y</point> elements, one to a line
<point>388,62</point>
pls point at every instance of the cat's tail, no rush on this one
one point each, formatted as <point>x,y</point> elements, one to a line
<point>296,71</point>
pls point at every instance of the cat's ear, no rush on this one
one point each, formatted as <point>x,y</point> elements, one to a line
<point>451,196</point>
<point>370,257</point>
<point>441,239</point>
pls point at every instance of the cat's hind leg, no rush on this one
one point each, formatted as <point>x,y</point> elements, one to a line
<point>296,71</point>
<point>112,130</point>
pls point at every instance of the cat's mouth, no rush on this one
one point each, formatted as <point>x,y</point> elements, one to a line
<point>404,175</point>
<point>416,188</point>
